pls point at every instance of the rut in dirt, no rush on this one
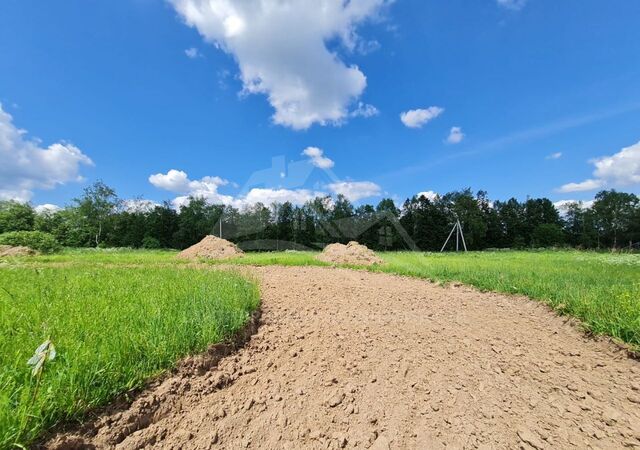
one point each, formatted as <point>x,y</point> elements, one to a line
<point>349,359</point>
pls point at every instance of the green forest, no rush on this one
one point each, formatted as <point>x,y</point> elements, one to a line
<point>98,218</point>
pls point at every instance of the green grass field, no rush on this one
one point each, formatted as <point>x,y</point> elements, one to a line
<point>107,256</point>
<point>119,316</point>
<point>600,289</point>
<point>113,328</point>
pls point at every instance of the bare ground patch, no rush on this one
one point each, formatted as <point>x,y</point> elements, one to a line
<point>361,360</point>
<point>11,250</point>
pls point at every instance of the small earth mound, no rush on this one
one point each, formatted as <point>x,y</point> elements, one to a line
<point>352,253</point>
<point>211,247</point>
<point>11,250</point>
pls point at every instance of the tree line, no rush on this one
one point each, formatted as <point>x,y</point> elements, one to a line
<point>98,218</point>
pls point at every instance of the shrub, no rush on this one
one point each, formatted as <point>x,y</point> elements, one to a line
<point>150,242</point>
<point>37,240</point>
<point>15,216</point>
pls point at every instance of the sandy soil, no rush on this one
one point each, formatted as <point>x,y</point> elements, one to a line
<point>211,247</point>
<point>348,359</point>
<point>352,253</point>
<point>8,250</point>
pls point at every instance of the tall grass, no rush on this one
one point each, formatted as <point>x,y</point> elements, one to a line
<point>290,258</point>
<point>104,256</point>
<point>112,328</point>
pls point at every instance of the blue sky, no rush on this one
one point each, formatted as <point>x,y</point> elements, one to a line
<point>520,98</point>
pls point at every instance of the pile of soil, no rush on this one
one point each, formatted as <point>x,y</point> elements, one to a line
<point>352,253</point>
<point>211,247</point>
<point>10,250</point>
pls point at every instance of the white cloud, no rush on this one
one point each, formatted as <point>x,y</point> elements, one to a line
<point>366,47</point>
<point>212,197</point>
<point>317,158</point>
<point>27,166</point>
<point>265,196</point>
<point>556,155</point>
<point>563,205</point>
<point>178,182</point>
<point>139,205</point>
<point>173,181</point>
<point>269,196</point>
<point>355,190</point>
<point>455,135</point>
<point>193,53</point>
<point>46,208</point>
<point>515,5</point>
<point>429,195</point>
<point>280,47</point>
<point>586,185</point>
<point>364,110</point>
<point>620,169</point>
<point>416,118</point>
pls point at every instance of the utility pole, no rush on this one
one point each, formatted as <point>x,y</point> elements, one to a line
<point>459,236</point>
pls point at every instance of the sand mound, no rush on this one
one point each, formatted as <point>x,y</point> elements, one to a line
<point>211,247</point>
<point>10,250</point>
<point>352,253</point>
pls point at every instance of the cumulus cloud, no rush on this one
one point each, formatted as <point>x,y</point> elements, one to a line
<point>317,158</point>
<point>46,208</point>
<point>178,182</point>
<point>26,165</point>
<point>618,170</point>
<point>365,47</point>
<point>556,155</point>
<point>355,190</point>
<point>364,110</point>
<point>563,205</point>
<point>139,205</point>
<point>586,185</point>
<point>273,185</point>
<point>281,50</point>
<point>417,118</point>
<point>429,195</point>
<point>455,135</point>
<point>514,5</point>
<point>172,181</point>
<point>192,53</point>
<point>268,196</point>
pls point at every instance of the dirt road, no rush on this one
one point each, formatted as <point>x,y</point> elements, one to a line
<point>347,359</point>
